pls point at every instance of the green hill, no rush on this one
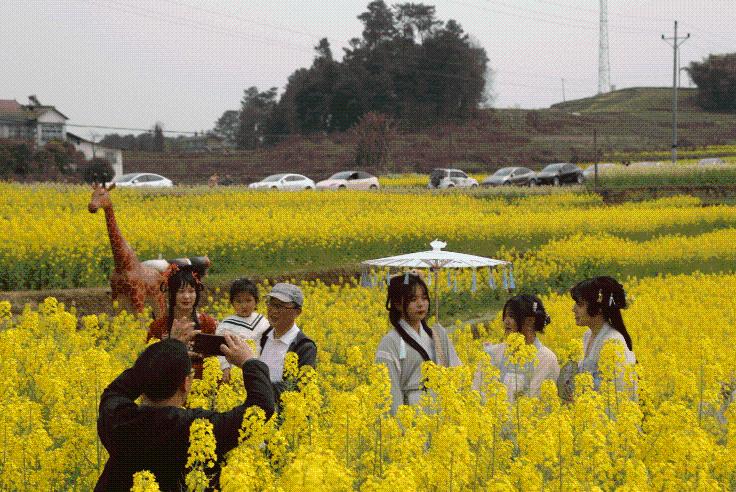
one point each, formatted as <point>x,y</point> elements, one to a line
<point>632,99</point>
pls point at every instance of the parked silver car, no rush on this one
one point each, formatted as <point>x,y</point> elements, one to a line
<point>356,180</point>
<point>284,181</point>
<point>441,179</point>
<point>510,176</point>
<point>142,180</point>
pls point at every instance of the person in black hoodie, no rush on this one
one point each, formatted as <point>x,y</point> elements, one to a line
<point>154,435</point>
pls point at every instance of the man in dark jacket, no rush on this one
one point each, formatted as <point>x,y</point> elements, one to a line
<point>284,305</point>
<point>154,435</point>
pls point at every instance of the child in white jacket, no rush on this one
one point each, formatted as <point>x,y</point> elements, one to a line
<point>246,323</point>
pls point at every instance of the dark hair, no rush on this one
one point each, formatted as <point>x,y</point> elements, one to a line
<point>243,285</point>
<point>162,368</point>
<point>178,278</point>
<point>604,295</point>
<point>400,292</point>
<point>526,306</point>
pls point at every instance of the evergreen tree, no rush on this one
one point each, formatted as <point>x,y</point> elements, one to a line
<point>716,81</point>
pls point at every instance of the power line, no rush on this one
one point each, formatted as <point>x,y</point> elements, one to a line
<point>625,16</point>
<point>243,19</point>
<point>186,22</point>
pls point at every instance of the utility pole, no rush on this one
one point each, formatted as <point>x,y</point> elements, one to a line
<point>94,136</point>
<point>604,62</point>
<point>563,90</point>
<point>595,153</point>
<point>676,42</point>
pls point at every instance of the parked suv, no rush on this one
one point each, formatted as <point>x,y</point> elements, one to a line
<point>450,178</point>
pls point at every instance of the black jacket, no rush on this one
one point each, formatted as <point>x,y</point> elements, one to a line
<point>157,439</point>
<point>305,350</point>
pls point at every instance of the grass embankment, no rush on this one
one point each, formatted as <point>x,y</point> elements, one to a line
<point>668,175</point>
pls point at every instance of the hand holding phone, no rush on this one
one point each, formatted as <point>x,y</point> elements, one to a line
<point>208,345</point>
<point>236,350</point>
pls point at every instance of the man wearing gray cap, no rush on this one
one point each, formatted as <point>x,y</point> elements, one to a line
<point>284,305</point>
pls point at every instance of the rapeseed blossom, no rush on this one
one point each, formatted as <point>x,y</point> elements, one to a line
<point>335,431</point>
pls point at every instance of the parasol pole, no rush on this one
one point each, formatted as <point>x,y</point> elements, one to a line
<point>437,294</point>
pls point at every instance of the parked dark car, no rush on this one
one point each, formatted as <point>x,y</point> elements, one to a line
<point>562,172</point>
<point>510,176</point>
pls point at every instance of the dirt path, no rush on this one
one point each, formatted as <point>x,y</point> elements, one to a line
<point>94,300</point>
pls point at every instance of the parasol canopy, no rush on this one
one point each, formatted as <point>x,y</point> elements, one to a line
<point>436,258</point>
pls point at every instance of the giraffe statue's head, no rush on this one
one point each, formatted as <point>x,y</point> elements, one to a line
<point>100,197</point>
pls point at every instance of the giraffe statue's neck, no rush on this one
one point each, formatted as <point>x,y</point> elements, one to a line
<point>122,253</point>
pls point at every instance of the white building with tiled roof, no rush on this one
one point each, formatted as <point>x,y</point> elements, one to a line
<point>33,121</point>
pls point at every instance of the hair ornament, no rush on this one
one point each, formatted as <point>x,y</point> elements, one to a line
<point>600,295</point>
<point>406,278</point>
<point>195,276</point>
<point>534,307</point>
<point>166,275</point>
<point>611,301</point>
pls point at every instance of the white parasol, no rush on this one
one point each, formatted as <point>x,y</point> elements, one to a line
<point>436,259</point>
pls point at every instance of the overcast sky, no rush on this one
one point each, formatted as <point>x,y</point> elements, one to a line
<point>130,63</point>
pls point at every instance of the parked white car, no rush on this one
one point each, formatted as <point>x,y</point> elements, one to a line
<point>450,178</point>
<point>142,179</point>
<point>356,180</point>
<point>284,181</point>
<point>711,161</point>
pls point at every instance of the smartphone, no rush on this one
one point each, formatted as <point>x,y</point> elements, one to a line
<point>208,344</point>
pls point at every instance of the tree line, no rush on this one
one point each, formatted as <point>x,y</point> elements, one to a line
<point>716,81</point>
<point>408,65</point>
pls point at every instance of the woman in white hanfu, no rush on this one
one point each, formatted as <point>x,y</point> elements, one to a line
<point>598,305</point>
<point>524,314</point>
<point>411,342</point>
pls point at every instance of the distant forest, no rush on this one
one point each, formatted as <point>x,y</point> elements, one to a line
<point>408,65</point>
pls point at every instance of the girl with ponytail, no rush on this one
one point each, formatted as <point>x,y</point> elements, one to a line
<point>411,342</point>
<point>598,305</point>
<point>524,314</point>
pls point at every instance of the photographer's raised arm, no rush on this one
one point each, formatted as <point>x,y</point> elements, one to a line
<point>258,389</point>
<point>118,398</point>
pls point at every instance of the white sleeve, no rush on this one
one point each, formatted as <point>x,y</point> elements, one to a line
<point>394,371</point>
<point>454,359</point>
<point>224,364</point>
<point>258,332</point>
<point>548,368</point>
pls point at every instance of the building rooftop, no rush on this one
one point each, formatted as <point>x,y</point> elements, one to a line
<point>10,109</point>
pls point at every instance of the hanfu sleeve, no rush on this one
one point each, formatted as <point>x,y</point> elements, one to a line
<point>384,355</point>
<point>548,368</point>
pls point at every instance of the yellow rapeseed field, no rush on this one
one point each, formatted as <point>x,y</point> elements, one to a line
<point>334,432</point>
<point>56,242</point>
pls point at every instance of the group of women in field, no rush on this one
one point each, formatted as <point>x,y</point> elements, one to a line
<point>597,304</point>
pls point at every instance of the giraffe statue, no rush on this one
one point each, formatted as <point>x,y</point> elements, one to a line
<point>131,279</point>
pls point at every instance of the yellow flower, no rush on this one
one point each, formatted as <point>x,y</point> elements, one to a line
<point>144,481</point>
<point>291,366</point>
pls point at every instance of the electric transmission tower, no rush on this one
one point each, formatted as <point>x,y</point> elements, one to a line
<point>604,62</point>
